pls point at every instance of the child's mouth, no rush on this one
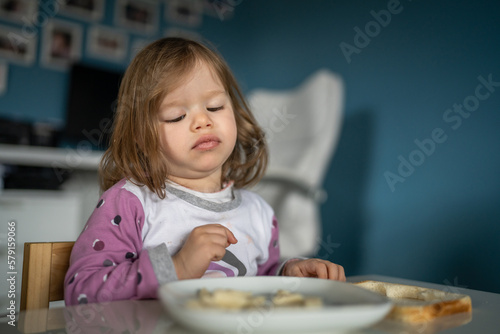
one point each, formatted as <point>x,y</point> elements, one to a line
<point>206,143</point>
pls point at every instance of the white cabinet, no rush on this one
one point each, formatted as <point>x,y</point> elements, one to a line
<point>42,215</point>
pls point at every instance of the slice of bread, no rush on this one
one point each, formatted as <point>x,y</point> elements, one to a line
<point>413,304</point>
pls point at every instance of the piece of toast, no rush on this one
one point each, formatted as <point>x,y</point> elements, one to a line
<point>413,304</point>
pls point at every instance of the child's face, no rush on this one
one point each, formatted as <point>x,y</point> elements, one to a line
<point>197,127</point>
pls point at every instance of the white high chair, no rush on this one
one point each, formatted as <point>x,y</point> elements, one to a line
<point>302,127</point>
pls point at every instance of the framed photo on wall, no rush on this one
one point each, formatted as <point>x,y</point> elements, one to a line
<point>184,12</point>
<point>138,15</point>
<point>91,10</point>
<point>16,10</point>
<point>62,44</point>
<point>16,47</point>
<point>107,43</point>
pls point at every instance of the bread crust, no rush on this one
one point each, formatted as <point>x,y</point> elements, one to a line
<point>414,304</point>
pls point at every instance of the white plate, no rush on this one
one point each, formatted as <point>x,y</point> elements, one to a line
<point>345,306</point>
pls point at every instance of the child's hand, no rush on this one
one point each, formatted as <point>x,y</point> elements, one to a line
<point>204,244</point>
<point>314,268</point>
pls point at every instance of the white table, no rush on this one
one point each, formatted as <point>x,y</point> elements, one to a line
<point>147,316</point>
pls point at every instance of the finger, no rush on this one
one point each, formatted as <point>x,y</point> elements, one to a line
<point>306,268</point>
<point>333,271</point>
<point>342,274</point>
<point>298,272</point>
<point>293,269</point>
<point>221,230</point>
<point>219,254</point>
<point>231,239</point>
<point>336,272</point>
<point>322,270</point>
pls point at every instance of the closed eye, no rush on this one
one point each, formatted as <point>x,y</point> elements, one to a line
<point>178,119</point>
<point>215,108</point>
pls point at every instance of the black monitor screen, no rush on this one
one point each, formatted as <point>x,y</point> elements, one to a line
<point>90,106</point>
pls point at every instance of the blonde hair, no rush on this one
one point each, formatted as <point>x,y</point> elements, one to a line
<point>135,151</point>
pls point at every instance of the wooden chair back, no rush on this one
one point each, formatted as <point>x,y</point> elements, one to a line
<point>44,267</point>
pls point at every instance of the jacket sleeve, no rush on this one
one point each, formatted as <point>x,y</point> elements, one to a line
<point>108,261</point>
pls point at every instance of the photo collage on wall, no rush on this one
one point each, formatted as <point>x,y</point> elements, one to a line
<point>67,30</point>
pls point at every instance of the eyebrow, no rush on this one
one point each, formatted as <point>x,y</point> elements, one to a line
<point>212,93</point>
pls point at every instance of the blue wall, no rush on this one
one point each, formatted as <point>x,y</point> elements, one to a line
<point>442,223</point>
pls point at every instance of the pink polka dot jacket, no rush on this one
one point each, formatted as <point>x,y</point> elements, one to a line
<point>125,249</point>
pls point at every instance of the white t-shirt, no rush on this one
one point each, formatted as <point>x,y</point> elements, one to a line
<point>244,213</point>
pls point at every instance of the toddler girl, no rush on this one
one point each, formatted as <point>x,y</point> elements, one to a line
<point>184,144</point>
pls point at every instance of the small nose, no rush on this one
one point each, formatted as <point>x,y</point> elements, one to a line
<point>202,120</point>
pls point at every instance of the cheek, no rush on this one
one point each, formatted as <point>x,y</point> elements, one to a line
<point>232,127</point>
<point>167,141</point>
